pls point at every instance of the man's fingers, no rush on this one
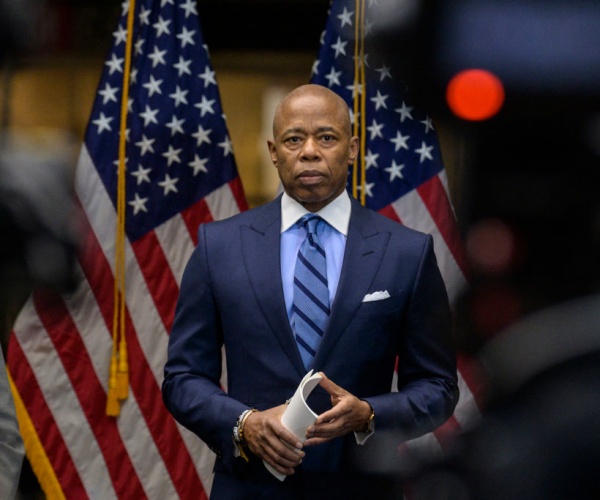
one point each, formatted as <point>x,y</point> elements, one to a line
<point>329,385</point>
<point>268,439</point>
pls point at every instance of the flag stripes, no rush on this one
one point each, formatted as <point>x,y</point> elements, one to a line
<point>59,355</point>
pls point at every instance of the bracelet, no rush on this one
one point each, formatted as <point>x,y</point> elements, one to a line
<point>242,420</point>
<point>238,434</point>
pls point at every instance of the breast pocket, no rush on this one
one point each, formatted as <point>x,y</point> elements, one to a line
<point>380,307</point>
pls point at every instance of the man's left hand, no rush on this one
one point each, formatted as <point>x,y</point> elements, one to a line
<point>349,414</point>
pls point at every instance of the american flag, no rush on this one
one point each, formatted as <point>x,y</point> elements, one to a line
<point>402,174</point>
<point>180,172</point>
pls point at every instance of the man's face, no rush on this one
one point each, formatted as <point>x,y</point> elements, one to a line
<point>312,148</point>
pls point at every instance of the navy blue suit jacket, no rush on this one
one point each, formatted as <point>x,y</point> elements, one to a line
<point>231,294</point>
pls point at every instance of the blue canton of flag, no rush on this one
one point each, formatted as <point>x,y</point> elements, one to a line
<point>178,148</point>
<point>402,149</point>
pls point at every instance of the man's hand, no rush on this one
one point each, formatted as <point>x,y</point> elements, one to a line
<point>349,414</point>
<point>268,439</point>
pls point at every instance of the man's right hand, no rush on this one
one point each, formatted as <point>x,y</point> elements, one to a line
<point>268,439</point>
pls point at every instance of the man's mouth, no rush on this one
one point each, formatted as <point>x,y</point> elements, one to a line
<point>311,177</point>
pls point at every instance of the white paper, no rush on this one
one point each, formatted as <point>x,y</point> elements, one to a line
<point>298,416</point>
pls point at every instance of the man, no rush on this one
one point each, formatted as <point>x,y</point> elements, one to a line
<point>384,299</point>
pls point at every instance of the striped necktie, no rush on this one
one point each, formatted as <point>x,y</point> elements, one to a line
<point>310,311</point>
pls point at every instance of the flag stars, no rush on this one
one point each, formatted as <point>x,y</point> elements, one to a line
<point>227,146</point>
<point>162,27</point>
<point>346,17</point>
<point>395,171</point>
<point>179,96</point>
<point>189,6</point>
<point>379,100</point>
<point>375,129</point>
<point>405,112</point>
<point>400,141</point>
<point>103,123</point>
<point>153,86</point>
<point>354,87</point>
<point>145,145</point>
<point>424,152</point>
<point>202,136</point>
<point>183,66</point>
<point>371,159</point>
<point>144,16</point>
<point>175,125</point>
<point>364,60</point>
<point>157,57</point>
<point>322,37</point>
<point>138,204</point>
<point>333,77</point>
<point>205,106</point>
<point>315,68</point>
<point>108,93</point>
<point>120,35</point>
<point>115,64</point>
<point>428,124</point>
<point>172,155</point>
<point>339,47</point>
<point>368,189</point>
<point>149,116</point>
<point>186,37</point>
<point>352,117</point>
<point>384,72</point>
<point>198,165</point>
<point>138,46</point>
<point>208,76</point>
<point>141,174</point>
<point>168,184</point>
<point>124,8</point>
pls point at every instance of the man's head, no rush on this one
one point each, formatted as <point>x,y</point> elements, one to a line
<point>312,145</point>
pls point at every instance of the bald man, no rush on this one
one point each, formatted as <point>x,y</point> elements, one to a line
<point>378,297</point>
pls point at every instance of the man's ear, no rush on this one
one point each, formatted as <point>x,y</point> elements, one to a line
<point>354,148</point>
<point>272,152</point>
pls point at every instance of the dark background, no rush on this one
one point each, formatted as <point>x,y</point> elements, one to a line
<point>74,27</point>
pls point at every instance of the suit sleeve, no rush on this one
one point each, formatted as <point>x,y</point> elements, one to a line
<point>427,379</point>
<point>191,388</point>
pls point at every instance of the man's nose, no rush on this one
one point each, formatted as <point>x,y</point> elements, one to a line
<point>310,149</point>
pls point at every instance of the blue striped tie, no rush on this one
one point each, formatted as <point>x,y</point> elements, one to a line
<point>310,311</point>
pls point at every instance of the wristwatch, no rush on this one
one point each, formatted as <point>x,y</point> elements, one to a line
<point>370,424</point>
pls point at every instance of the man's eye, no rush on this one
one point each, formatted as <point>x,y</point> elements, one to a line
<point>293,140</point>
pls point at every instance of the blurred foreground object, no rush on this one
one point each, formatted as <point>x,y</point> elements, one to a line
<point>530,215</point>
<point>539,436</point>
<point>38,217</point>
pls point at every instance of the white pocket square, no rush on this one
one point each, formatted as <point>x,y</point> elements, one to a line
<point>370,297</point>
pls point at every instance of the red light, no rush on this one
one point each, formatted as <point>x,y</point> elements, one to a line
<point>475,94</point>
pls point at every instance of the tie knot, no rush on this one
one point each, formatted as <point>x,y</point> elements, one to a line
<point>310,222</point>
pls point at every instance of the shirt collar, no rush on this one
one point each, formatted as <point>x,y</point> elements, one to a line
<point>335,213</point>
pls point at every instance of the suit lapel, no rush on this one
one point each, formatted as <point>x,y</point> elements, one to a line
<point>365,246</point>
<point>261,250</point>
